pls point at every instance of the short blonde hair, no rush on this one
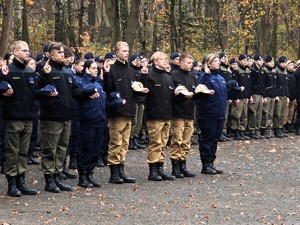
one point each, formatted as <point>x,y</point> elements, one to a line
<point>211,57</point>
<point>119,44</point>
<point>16,45</point>
<point>157,55</point>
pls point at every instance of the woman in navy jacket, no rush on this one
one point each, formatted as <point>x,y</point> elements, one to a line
<point>92,119</point>
<point>211,110</point>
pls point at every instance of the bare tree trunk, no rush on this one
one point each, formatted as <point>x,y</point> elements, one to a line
<point>273,44</point>
<point>123,12</point>
<point>132,30</point>
<point>71,24</point>
<point>60,21</point>
<point>92,18</point>
<point>18,19</point>
<point>112,11</point>
<point>172,26</point>
<point>25,33</point>
<point>6,24</point>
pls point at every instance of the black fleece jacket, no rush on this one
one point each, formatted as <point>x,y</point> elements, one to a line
<point>19,106</point>
<point>58,108</point>
<point>120,78</point>
<point>159,100</point>
<point>184,109</point>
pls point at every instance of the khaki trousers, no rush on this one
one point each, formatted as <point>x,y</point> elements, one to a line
<point>17,138</point>
<point>182,131</point>
<point>158,131</point>
<point>137,121</point>
<point>255,113</point>
<point>119,134</point>
<point>290,115</point>
<point>54,142</point>
<point>239,115</point>
<point>280,109</point>
<point>267,113</point>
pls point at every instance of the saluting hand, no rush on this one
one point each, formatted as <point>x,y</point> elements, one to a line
<point>4,69</point>
<point>47,67</point>
<point>106,66</point>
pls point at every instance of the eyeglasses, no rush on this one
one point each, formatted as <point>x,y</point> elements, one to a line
<point>24,50</point>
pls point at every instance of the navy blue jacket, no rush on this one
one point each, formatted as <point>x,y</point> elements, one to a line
<point>212,106</point>
<point>92,110</point>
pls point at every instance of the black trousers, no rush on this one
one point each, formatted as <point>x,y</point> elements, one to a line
<point>91,139</point>
<point>211,131</point>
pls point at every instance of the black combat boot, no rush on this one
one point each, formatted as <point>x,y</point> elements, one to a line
<point>123,176</point>
<point>22,186</point>
<point>297,129</point>
<point>73,162</point>
<point>277,133</point>
<point>32,161</point>
<point>237,135</point>
<point>50,184</point>
<point>162,173</point>
<point>242,134</point>
<point>2,166</point>
<point>61,186</point>
<point>91,179</point>
<point>83,181</point>
<point>207,168</point>
<point>67,172</point>
<point>214,167</point>
<point>131,145</point>
<point>137,144</point>
<point>264,133</point>
<point>100,162</point>
<point>153,175</point>
<point>282,132</point>
<point>114,175</point>
<point>12,187</point>
<point>184,170</point>
<point>175,169</point>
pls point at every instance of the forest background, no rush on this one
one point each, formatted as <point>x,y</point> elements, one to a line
<point>195,26</point>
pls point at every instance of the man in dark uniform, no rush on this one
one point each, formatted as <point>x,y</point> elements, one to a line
<point>18,114</point>
<point>239,111</point>
<point>297,75</point>
<point>290,68</point>
<point>119,77</point>
<point>183,118</point>
<point>258,95</point>
<point>280,107</point>
<point>227,75</point>
<point>55,116</point>
<point>270,77</point>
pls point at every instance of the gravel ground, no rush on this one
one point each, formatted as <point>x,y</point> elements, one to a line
<point>260,186</point>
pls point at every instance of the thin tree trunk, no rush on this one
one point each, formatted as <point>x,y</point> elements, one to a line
<point>25,33</point>
<point>6,25</point>
<point>17,19</point>
<point>112,11</point>
<point>132,30</point>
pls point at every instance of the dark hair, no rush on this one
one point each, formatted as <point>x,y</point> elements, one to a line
<point>68,51</point>
<point>7,56</point>
<point>55,46</point>
<point>87,64</point>
<point>184,56</point>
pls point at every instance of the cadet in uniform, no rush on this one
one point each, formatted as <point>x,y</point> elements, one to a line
<point>270,77</point>
<point>281,104</point>
<point>239,111</point>
<point>183,118</point>
<point>18,114</point>
<point>258,95</point>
